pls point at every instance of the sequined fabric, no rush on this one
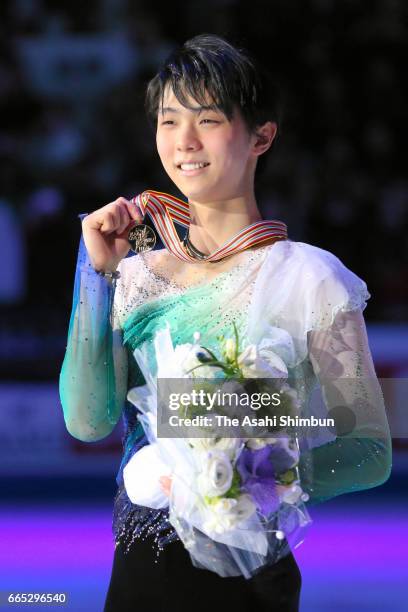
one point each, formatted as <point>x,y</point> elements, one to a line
<point>300,289</point>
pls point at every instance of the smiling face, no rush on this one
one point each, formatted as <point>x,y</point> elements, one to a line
<point>205,135</point>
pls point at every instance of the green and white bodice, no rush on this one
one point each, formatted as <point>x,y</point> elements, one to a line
<point>311,300</point>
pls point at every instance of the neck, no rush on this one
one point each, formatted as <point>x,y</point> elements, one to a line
<point>213,223</point>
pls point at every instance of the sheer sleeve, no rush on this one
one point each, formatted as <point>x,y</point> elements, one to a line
<point>360,456</point>
<point>93,377</point>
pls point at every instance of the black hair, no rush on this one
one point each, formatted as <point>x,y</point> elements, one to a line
<point>230,75</point>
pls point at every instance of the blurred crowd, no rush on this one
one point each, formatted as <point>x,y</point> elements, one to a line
<point>73,136</point>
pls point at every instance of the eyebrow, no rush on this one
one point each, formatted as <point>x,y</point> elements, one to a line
<point>195,109</point>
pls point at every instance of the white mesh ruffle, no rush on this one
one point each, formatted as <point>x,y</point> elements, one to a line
<point>301,288</point>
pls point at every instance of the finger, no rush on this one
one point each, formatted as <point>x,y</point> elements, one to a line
<point>134,211</point>
<point>125,221</point>
<point>109,222</point>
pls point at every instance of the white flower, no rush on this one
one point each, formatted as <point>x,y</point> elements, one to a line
<point>219,516</point>
<point>226,513</point>
<point>289,493</point>
<point>229,446</point>
<point>244,508</point>
<point>216,473</point>
<point>230,348</point>
<point>253,365</point>
<point>185,355</point>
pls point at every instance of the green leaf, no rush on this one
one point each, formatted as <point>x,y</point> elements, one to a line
<point>235,487</point>
<point>236,341</point>
<point>211,353</point>
<point>287,477</point>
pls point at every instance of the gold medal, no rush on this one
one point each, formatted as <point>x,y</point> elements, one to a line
<point>141,238</point>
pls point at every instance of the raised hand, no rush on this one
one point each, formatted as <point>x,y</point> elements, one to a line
<point>105,233</point>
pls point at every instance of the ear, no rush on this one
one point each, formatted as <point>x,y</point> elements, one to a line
<point>264,136</point>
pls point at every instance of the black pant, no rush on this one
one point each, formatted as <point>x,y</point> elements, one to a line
<point>138,584</point>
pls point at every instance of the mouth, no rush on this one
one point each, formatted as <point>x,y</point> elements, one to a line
<point>192,169</point>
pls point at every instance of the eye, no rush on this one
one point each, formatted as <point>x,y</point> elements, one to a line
<point>169,121</point>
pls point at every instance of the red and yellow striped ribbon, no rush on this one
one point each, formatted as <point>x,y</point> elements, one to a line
<point>165,210</point>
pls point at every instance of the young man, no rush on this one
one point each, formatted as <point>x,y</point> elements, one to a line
<point>208,106</point>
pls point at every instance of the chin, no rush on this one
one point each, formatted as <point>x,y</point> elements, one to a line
<point>204,193</point>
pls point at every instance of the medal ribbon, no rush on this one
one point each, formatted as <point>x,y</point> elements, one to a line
<point>165,210</point>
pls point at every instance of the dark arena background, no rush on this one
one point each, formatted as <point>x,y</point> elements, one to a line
<point>74,136</point>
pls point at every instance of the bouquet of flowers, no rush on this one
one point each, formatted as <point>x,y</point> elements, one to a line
<point>235,502</point>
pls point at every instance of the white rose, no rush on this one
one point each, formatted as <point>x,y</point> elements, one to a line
<point>219,516</point>
<point>289,493</point>
<point>230,446</point>
<point>216,473</point>
<point>227,513</point>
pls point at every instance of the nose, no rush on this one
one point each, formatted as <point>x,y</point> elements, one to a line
<point>187,139</point>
